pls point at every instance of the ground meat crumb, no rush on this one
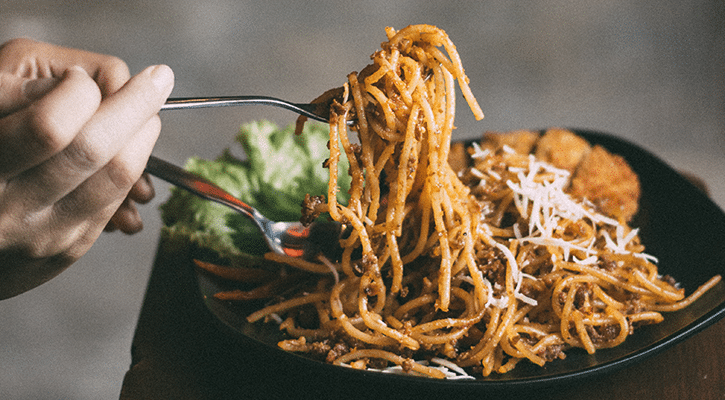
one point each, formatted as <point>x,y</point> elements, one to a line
<point>311,208</point>
<point>320,348</point>
<point>551,353</point>
<point>338,350</point>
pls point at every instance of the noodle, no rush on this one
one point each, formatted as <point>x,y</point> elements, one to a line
<point>480,269</point>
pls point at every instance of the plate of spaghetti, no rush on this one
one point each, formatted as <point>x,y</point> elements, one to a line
<point>523,256</point>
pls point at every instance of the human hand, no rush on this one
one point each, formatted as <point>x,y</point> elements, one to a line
<point>75,134</point>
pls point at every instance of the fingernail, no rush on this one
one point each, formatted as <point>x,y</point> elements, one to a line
<point>162,77</point>
<point>35,88</point>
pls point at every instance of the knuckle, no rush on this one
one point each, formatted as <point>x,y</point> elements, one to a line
<point>84,156</point>
<point>122,174</point>
<point>66,247</point>
<point>113,74</point>
<point>86,90</point>
<point>115,65</point>
<point>91,92</point>
<point>48,135</point>
<point>51,129</point>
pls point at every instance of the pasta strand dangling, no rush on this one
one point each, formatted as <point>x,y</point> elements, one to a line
<point>483,267</point>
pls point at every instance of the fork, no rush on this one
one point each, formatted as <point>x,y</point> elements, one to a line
<point>316,111</point>
<point>288,238</point>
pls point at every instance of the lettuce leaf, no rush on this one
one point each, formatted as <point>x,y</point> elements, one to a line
<point>279,169</point>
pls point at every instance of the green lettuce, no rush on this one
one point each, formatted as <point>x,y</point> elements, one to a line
<point>279,169</point>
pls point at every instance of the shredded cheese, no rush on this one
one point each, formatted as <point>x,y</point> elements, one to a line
<point>540,197</point>
<point>479,153</point>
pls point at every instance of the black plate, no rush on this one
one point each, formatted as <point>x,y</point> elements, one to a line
<point>678,224</point>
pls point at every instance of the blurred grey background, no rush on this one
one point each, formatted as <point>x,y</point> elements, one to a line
<point>652,72</point>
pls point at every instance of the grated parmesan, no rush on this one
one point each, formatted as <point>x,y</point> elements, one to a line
<point>540,198</point>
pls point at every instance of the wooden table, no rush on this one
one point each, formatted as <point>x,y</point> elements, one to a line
<point>179,353</point>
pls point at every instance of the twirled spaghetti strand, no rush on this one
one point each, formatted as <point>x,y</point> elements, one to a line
<point>484,267</point>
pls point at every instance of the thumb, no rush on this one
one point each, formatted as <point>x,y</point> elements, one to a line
<point>17,92</point>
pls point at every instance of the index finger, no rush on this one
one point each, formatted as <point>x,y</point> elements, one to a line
<point>114,123</point>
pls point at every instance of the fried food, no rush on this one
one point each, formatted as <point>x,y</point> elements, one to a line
<point>598,176</point>
<point>562,149</point>
<point>606,180</point>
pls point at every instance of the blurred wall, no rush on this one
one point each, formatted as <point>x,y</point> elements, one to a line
<point>650,72</point>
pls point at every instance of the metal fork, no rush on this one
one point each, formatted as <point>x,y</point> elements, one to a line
<point>316,111</point>
<point>288,238</point>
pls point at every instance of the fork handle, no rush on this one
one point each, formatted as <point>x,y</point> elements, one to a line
<point>182,103</point>
<point>197,185</point>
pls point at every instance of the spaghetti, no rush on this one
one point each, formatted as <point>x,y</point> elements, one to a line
<point>479,268</point>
